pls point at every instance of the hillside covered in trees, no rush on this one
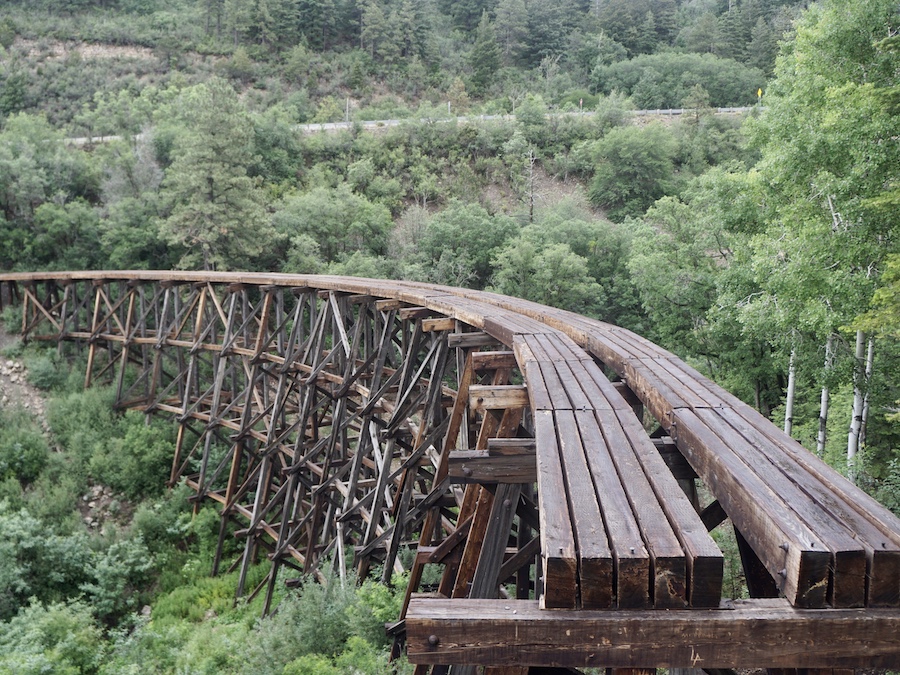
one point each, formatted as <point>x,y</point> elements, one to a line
<point>762,248</point>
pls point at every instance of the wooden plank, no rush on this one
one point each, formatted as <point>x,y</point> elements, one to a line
<point>389,304</point>
<point>848,564</point>
<point>524,557</point>
<point>782,541</point>
<point>873,524</point>
<point>559,397</point>
<point>760,583</point>
<point>557,537</point>
<point>479,466</point>
<point>610,390</point>
<point>494,360</point>
<point>471,340</point>
<point>505,326</point>
<point>414,313</point>
<point>703,395</point>
<point>713,516</point>
<point>705,562</point>
<point>511,446</point>
<point>597,569</point>
<point>538,390</point>
<point>754,634</point>
<point>668,571</point>
<point>632,559</point>
<point>629,396</point>
<point>658,397</point>
<point>486,580</point>
<point>438,325</point>
<point>570,378</point>
<point>497,397</point>
<point>474,543</point>
<point>560,347</point>
<point>870,522</point>
<point>673,458</point>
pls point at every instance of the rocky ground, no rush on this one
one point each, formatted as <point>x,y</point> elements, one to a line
<point>99,505</point>
<point>15,390</point>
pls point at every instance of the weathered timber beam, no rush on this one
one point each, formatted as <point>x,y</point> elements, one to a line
<point>479,466</point>
<point>469,340</point>
<point>497,397</point>
<point>438,325</point>
<point>748,634</point>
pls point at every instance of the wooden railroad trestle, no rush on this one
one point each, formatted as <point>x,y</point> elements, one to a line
<point>338,420</point>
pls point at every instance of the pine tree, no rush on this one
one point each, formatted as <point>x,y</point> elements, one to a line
<point>511,28</point>
<point>374,26</point>
<point>485,57</point>
<point>215,209</point>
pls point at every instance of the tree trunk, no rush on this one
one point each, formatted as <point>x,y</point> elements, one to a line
<point>823,405</point>
<point>859,375</point>
<point>870,360</point>
<point>791,389</point>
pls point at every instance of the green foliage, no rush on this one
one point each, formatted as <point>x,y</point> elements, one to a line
<point>7,33</point>
<point>888,491</point>
<point>328,626</point>
<point>80,422</point>
<point>665,80</point>
<point>119,573</point>
<point>633,168</point>
<point>165,523</point>
<point>23,448</point>
<point>674,273</point>
<point>338,220</point>
<point>192,601</point>
<point>58,638</point>
<point>551,274</point>
<point>216,209</point>
<point>46,566</point>
<point>485,56</point>
<point>458,244</point>
<point>147,648</point>
<point>47,370</point>
<point>311,664</point>
<point>135,462</point>
<point>44,187</point>
<point>53,496</point>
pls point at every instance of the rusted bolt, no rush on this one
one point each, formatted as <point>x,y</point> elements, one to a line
<point>467,471</point>
<point>433,640</point>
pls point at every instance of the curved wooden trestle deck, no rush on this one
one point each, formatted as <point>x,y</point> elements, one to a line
<point>499,449</point>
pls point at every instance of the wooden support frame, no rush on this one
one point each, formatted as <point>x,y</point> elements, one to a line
<point>330,417</point>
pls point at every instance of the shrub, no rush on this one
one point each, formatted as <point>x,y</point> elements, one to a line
<point>23,448</point>
<point>52,497</point>
<point>633,168</point>
<point>311,664</point>
<point>38,564</point>
<point>59,638</point>
<point>136,461</point>
<point>120,573</point>
<point>46,370</point>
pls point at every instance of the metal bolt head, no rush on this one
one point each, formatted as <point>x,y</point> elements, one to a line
<point>433,640</point>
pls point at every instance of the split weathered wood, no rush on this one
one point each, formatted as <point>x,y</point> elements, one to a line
<point>480,466</point>
<point>752,633</point>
